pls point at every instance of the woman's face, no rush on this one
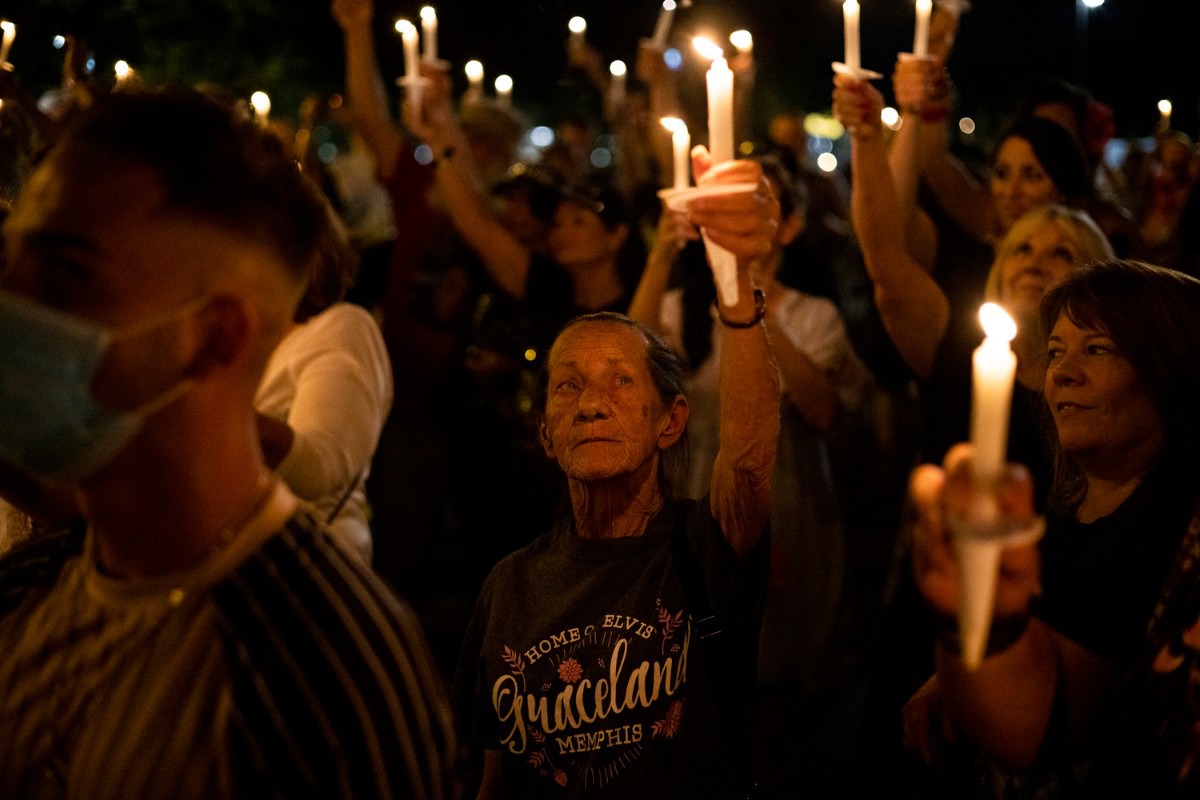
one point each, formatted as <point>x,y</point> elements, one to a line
<point>1019,183</point>
<point>1037,262</point>
<point>578,237</point>
<point>1102,410</point>
<point>604,417</point>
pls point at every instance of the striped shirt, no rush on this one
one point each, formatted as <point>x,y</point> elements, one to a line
<point>281,667</point>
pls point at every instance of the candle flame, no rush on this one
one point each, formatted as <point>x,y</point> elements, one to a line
<point>925,5</point>
<point>405,28</point>
<point>9,28</point>
<point>742,40</point>
<point>707,48</point>
<point>503,83</point>
<point>850,5</point>
<point>997,324</point>
<point>674,124</point>
<point>474,70</point>
<point>668,5</point>
<point>260,101</point>
<point>577,25</point>
<point>122,70</point>
<point>617,68</point>
<point>1164,107</point>
<point>428,14</point>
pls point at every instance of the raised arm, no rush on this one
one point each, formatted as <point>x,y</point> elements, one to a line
<point>364,84</point>
<point>745,223</point>
<point>913,307</point>
<point>1004,706</point>
<point>504,257</point>
<point>673,232</point>
<point>911,82</point>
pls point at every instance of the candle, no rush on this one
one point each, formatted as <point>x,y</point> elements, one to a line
<point>504,87</point>
<point>577,26</point>
<point>408,35</point>
<point>474,70</point>
<point>1164,110</point>
<point>10,33</point>
<point>262,107</point>
<point>921,36</point>
<point>850,17</point>
<point>994,367</point>
<point>123,72</point>
<point>681,144</point>
<point>743,41</point>
<point>429,25</point>
<point>720,147</point>
<point>616,88</point>
<point>720,101</point>
<point>662,28</point>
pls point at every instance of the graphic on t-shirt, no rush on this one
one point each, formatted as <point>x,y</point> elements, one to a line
<point>583,703</point>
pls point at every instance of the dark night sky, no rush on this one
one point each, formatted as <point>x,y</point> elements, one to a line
<point>1137,50</point>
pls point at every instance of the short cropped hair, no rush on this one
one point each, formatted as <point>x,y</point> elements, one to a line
<point>215,166</point>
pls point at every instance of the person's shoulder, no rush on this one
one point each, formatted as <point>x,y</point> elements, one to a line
<point>330,672</point>
<point>36,562</point>
<point>343,318</point>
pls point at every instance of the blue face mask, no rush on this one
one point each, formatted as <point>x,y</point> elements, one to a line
<point>50,424</point>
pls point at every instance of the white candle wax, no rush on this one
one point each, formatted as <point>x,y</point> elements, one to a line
<point>978,565</point>
<point>408,35</point>
<point>474,70</point>
<point>1164,111</point>
<point>578,27</point>
<point>662,28</point>
<point>720,110</point>
<point>681,145</point>
<point>429,27</point>
<point>921,35</point>
<point>616,88</point>
<point>504,87</point>
<point>10,33</point>
<point>742,40</point>
<point>995,364</point>
<point>262,107</point>
<point>850,17</point>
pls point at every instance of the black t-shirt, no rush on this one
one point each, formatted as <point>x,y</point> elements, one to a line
<point>1101,579</point>
<point>581,668</point>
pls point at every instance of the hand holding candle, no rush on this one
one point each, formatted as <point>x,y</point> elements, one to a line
<point>720,147</point>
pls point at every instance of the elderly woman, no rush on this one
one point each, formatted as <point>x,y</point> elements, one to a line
<point>583,673</point>
<point>1120,386</point>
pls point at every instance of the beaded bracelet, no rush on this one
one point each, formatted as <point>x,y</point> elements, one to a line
<point>760,311</point>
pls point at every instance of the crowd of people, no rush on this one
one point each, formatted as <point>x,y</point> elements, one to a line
<point>446,471</point>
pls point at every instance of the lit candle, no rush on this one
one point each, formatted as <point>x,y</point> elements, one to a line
<point>10,33</point>
<point>262,107</point>
<point>681,144</point>
<point>504,87</point>
<point>474,70</point>
<point>720,101</point>
<point>122,71</point>
<point>662,28</point>
<point>921,36</point>
<point>742,40</point>
<point>850,17</point>
<point>429,25</point>
<point>995,366</point>
<point>578,27</point>
<point>408,35</point>
<point>1164,110</point>
<point>720,147</point>
<point>616,89</point>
